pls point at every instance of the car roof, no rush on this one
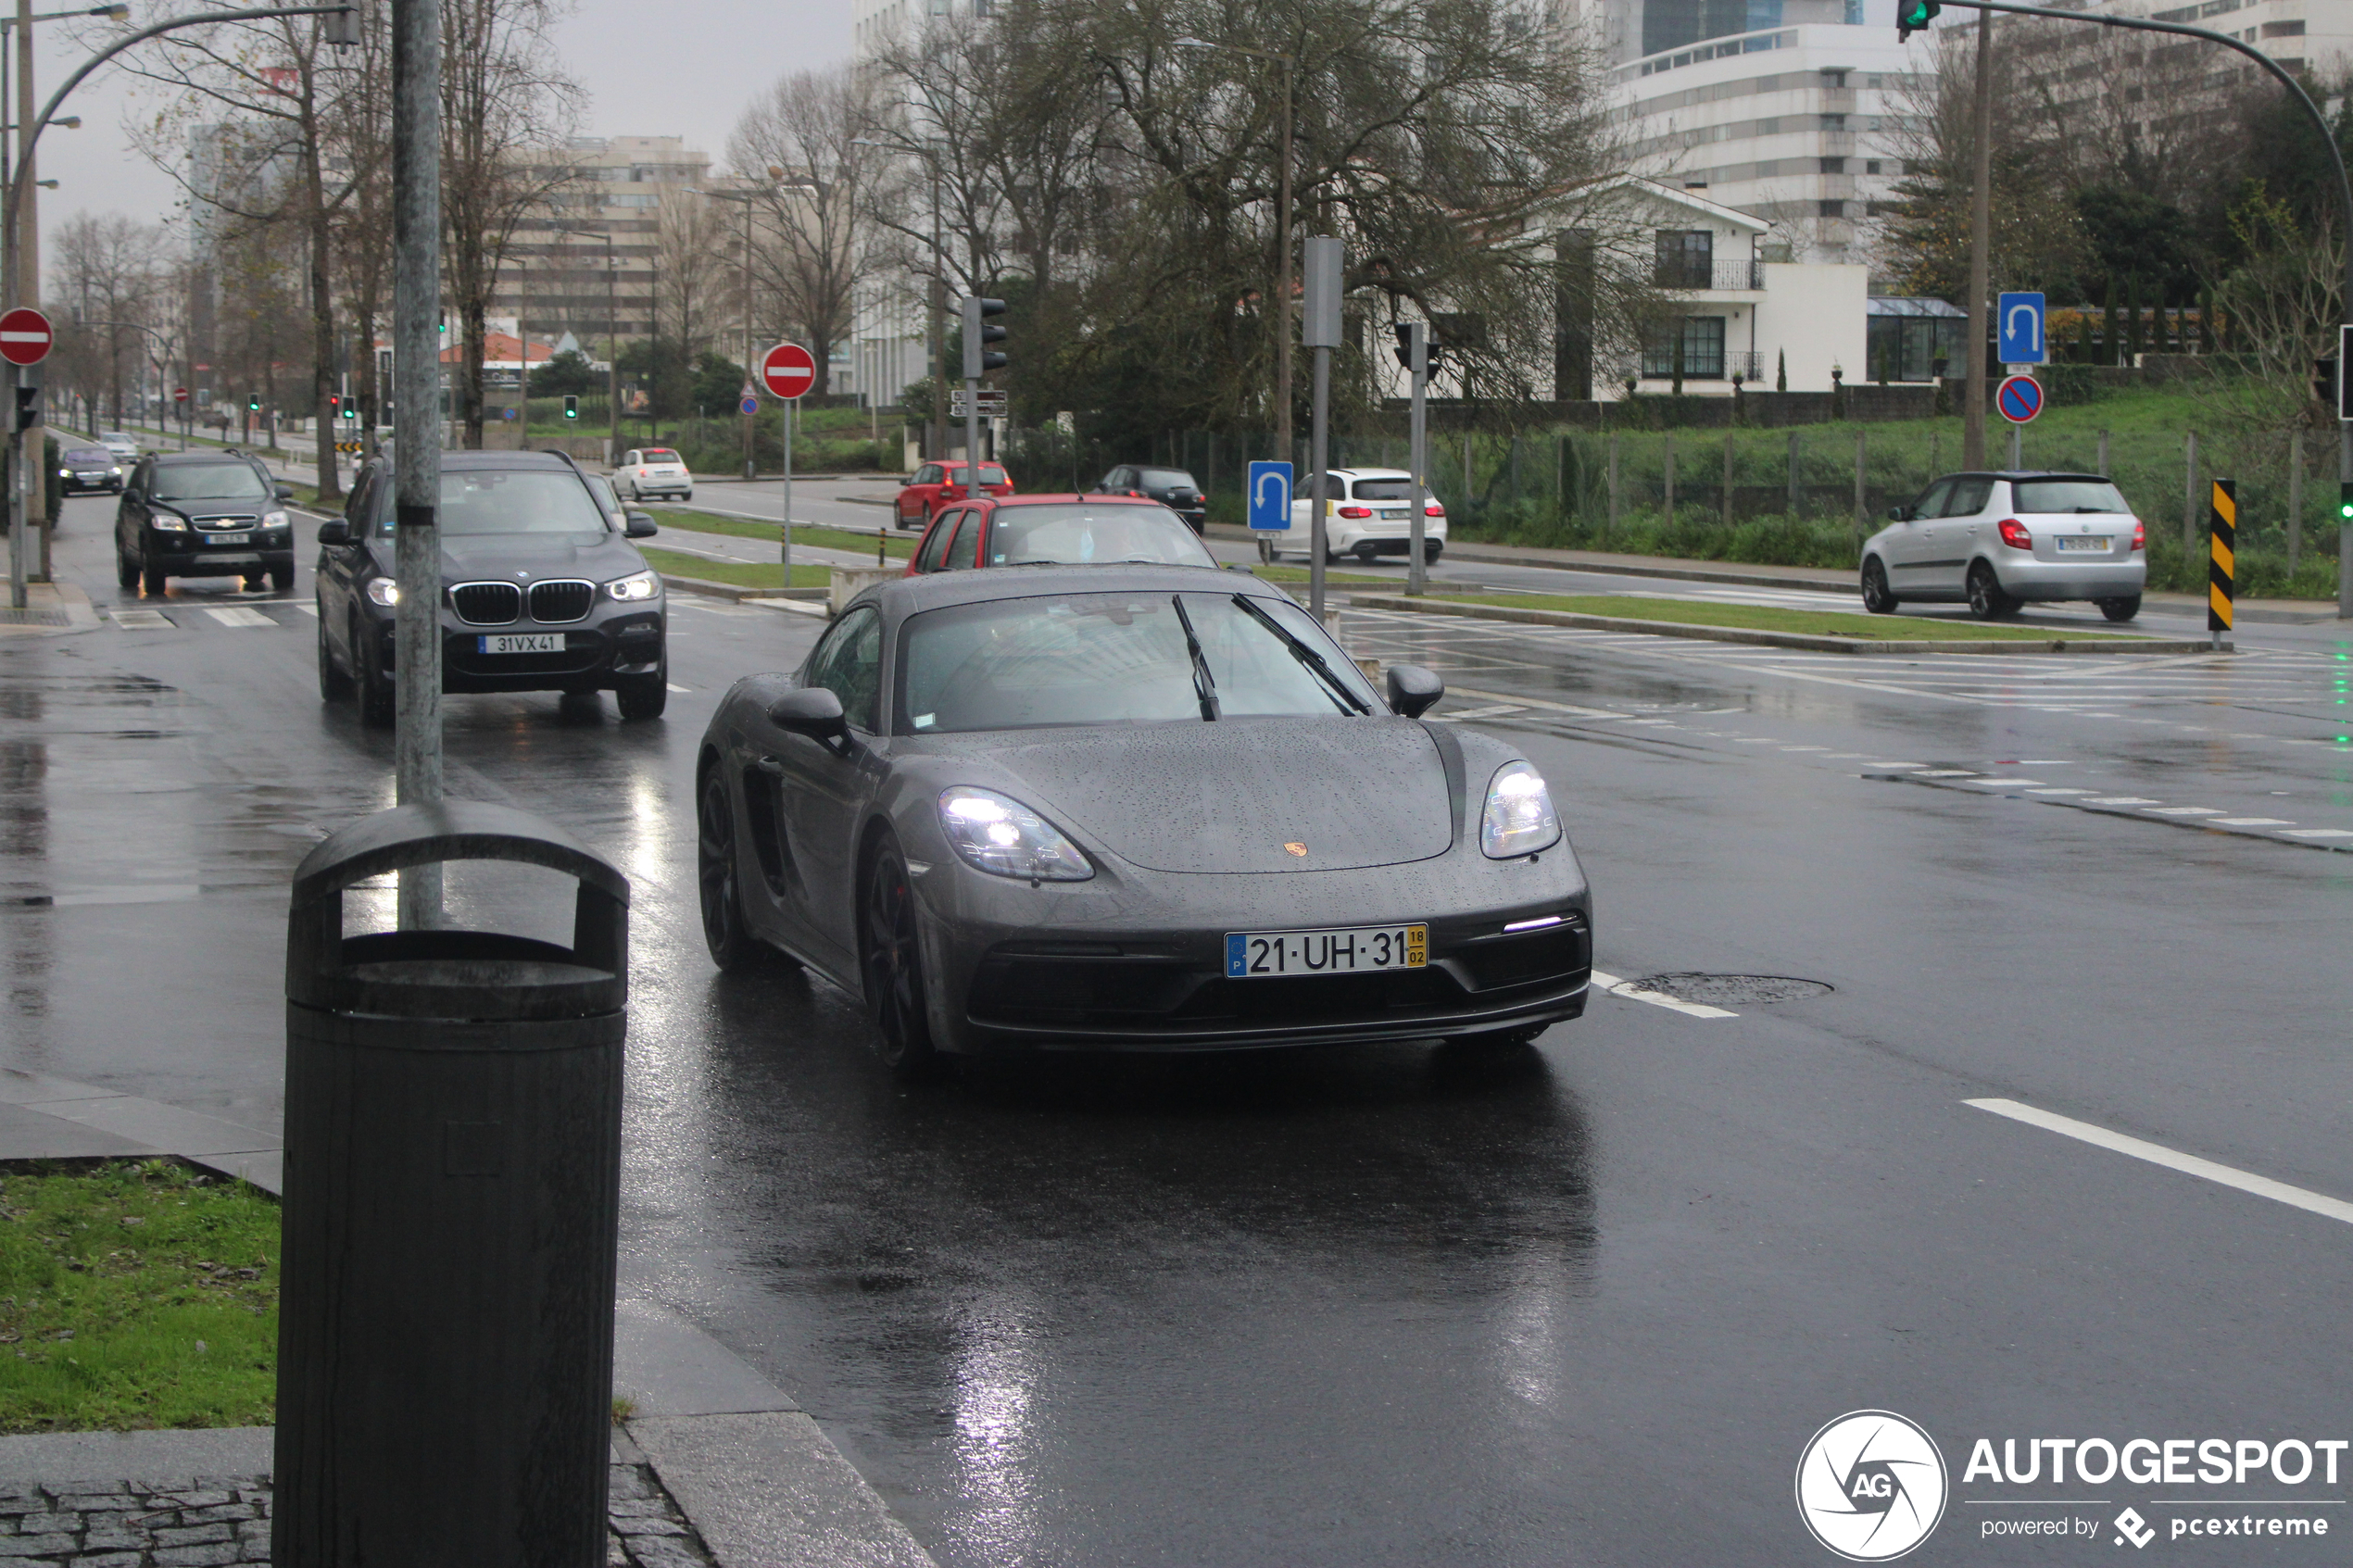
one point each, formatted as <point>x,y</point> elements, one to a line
<point>553,460</point>
<point>1063,497</point>
<point>899,597</point>
<point>2023,473</point>
<point>1368,473</point>
<point>213,455</point>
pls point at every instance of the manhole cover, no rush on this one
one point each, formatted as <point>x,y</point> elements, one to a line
<point>1733,990</point>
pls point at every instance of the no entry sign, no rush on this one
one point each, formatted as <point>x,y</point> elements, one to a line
<point>2020,398</point>
<point>25,338</point>
<point>786,370</point>
<point>179,394</point>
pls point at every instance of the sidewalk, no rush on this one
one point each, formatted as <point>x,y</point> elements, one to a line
<point>715,1465</point>
<point>48,608</point>
<point>1813,578</point>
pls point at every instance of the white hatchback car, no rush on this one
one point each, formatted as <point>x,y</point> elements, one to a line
<point>650,471</point>
<point>125,449</point>
<point>1368,513</point>
<point>1996,541</point>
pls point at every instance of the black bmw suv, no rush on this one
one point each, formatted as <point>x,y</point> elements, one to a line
<point>540,588</point>
<point>203,514</point>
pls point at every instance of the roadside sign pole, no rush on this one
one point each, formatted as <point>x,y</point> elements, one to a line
<point>1418,452</point>
<point>15,518</point>
<point>786,370</point>
<point>417,432</point>
<point>790,405</point>
<point>2015,456</point>
<point>2223,529</point>
<point>1321,324</point>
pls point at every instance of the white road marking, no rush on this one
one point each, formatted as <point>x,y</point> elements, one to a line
<point>1568,708</point>
<point>135,893</point>
<point>2253,823</point>
<point>2185,810</point>
<point>798,606</point>
<point>1627,989</point>
<point>310,610</point>
<point>1489,712</point>
<point>239,616</point>
<point>2157,1154</point>
<point>1948,773</point>
<point>2121,801</point>
<point>2320,832</point>
<point>2002,783</point>
<point>143,620</point>
<point>2060,791</point>
<point>675,688</point>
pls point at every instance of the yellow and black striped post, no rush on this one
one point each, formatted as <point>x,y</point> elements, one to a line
<point>2223,529</point>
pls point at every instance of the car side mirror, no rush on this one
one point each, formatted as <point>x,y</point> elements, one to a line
<point>1899,514</point>
<point>813,712</point>
<point>1414,691</point>
<point>1241,565</point>
<point>285,492</point>
<point>335,531</point>
<point>640,525</point>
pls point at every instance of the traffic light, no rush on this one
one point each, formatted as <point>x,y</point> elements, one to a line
<point>979,360</point>
<point>253,404</point>
<point>2344,392</point>
<point>342,28</point>
<point>571,405</point>
<point>334,406</point>
<point>1913,16</point>
<point>28,407</point>
<point>1433,351</point>
<point>2345,500</point>
<point>351,408</point>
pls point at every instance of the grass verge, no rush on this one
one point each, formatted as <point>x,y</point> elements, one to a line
<point>135,1295</point>
<point>735,574</point>
<point>1301,575</point>
<point>1765,618</point>
<point>815,538</point>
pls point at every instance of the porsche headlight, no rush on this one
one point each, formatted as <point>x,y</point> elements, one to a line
<point>636,585</point>
<point>1007,839</point>
<point>385,590</point>
<point>273,520</point>
<point>1519,818</point>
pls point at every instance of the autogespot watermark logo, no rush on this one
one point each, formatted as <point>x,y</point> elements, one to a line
<point>1872,1486</point>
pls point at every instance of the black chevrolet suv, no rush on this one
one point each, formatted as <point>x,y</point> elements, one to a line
<point>540,588</point>
<point>203,514</point>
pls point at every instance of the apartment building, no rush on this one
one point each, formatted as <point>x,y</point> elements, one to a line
<point>583,260</point>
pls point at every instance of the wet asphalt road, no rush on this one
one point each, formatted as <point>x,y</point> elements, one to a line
<point>1582,1306</point>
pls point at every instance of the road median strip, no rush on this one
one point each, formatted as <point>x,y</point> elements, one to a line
<point>1722,623</point>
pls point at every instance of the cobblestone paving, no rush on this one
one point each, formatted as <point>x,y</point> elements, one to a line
<point>208,1519</point>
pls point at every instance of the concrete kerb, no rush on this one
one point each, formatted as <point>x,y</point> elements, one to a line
<point>2125,645</point>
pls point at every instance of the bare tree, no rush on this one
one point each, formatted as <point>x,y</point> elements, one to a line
<point>503,103</point>
<point>695,289</point>
<point>798,148</point>
<point>110,272</point>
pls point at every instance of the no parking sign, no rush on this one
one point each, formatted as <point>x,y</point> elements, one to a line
<point>2020,398</point>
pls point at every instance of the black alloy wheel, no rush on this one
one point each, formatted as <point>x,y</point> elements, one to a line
<point>644,696</point>
<point>378,701</point>
<point>282,578</point>
<point>732,945</point>
<point>151,580</point>
<point>126,570</point>
<point>1986,600</point>
<point>891,962</point>
<point>1878,597</point>
<point>334,684</point>
<point>2121,608</point>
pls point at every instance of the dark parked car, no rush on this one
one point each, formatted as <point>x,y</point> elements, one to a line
<point>1141,807</point>
<point>89,468</point>
<point>203,514</point>
<point>1172,488</point>
<point>541,589</point>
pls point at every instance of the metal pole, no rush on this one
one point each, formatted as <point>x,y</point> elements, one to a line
<point>1612,525</point>
<point>2017,459</point>
<point>2344,530</point>
<point>1417,457</point>
<point>1981,226</point>
<point>752,421</point>
<point>16,523</point>
<point>2294,497</point>
<point>789,405</point>
<point>1667,468</point>
<point>1319,436</point>
<point>2103,454</point>
<point>2189,493</point>
<point>416,307</point>
<point>28,280</point>
<point>1724,502</point>
<point>1282,305</point>
<point>1862,508</point>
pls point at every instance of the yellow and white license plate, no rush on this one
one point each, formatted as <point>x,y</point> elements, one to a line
<point>523,641</point>
<point>1349,949</point>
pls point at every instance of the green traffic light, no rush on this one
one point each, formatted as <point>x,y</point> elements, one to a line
<point>1913,16</point>
<point>2345,500</point>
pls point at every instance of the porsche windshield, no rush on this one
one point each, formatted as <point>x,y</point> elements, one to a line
<point>1086,532</point>
<point>209,481</point>
<point>1119,658</point>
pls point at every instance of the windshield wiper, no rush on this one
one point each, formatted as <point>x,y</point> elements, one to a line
<point>1204,685</point>
<point>1349,701</point>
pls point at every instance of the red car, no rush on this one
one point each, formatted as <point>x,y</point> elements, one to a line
<point>935,484</point>
<point>1056,530</point>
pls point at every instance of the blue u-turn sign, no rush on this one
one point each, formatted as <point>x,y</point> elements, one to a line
<point>1269,495</point>
<point>2018,329</point>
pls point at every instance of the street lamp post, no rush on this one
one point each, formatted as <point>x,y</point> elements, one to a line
<point>612,331</point>
<point>1282,238</point>
<point>746,198</point>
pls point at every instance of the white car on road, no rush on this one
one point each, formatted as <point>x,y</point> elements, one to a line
<point>1998,541</point>
<point>126,450</point>
<point>1368,513</point>
<point>650,471</point>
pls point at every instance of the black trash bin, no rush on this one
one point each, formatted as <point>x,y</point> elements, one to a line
<point>451,1213</point>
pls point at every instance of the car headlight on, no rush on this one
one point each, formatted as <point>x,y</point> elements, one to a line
<point>169,522</point>
<point>1519,818</point>
<point>636,585</point>
<point>65,473</point>
<point>385,590</point>
<point>114,474</point>
<point>1006,838</point>
<point>273,520</point>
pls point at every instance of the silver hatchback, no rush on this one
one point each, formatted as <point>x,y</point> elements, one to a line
<point>1997,541</point>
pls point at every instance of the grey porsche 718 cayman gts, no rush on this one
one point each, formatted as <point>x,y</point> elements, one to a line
<point>1139,808</point>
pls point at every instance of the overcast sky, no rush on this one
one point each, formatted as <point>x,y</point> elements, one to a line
<point>683,69</point>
